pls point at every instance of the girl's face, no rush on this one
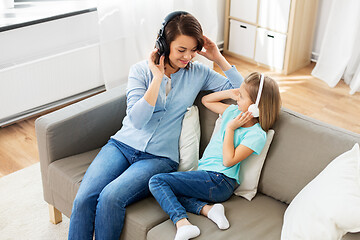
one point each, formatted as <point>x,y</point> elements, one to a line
<point>243,100</point>
<point>182,50</point>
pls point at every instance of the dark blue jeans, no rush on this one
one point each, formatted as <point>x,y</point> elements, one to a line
<point>117,177</point>
<point>179,192</point>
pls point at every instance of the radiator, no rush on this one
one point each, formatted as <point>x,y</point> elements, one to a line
<point>34,86</point>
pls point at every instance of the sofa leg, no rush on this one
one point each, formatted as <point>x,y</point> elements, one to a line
<point>55,215</point>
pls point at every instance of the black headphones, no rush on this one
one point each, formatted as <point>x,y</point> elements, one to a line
<point>161,41</point>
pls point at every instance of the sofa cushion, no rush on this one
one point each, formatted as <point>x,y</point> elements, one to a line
<point>259,219</point>
<point>302,147</point>
<point>65,178</point>
<point>141,217</point>
<point>189,141</point>
<point>66,175</point>
<point>207,122</point>
<point>329,206</point>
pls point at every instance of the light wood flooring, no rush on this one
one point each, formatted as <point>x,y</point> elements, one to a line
<point>299,91</point>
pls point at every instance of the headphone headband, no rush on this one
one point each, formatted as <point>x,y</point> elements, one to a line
<point>260,89</point>
<point>168,18</point>
<point>254,108</point>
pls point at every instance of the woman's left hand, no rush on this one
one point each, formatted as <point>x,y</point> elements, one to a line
<point>211,50</point>
<point>239,120</point>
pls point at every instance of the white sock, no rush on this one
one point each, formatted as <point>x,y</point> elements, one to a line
<point>186,232</point>
<point>217,215</point>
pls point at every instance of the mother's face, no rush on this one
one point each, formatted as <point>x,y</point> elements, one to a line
<point>182,50</point>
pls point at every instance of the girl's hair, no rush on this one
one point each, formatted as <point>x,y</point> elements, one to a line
<point>270,100</point>
<point>184,24</point>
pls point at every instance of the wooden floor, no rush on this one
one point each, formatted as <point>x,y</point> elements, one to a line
<point>299,91</point>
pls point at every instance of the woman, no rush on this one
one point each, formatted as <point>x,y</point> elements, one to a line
<point>158,96</point>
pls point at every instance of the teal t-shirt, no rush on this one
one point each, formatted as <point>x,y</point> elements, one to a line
<point>253,137</point>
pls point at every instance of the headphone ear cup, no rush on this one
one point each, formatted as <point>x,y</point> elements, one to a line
<point>254,110</point>
<point>161,45</point>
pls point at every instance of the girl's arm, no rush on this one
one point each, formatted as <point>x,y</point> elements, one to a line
<point>232,156</point>
<point>213,102</point>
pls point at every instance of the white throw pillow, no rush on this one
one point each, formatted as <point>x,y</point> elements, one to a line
<point>189,142</point>
<point>329,206</point>
<point>250,168</point>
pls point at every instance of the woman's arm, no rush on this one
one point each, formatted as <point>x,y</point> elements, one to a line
<point>141,99</point>
<point>213,102</point>
<point>212,53</point>
<point>215,81</point>
<point>232,156</point>
<point>158,71</point>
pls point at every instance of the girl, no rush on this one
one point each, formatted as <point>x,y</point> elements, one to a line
<point>158,96</point>
<point>240,135</point>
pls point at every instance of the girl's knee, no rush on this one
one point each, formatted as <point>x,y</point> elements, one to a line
<point>156,180</point>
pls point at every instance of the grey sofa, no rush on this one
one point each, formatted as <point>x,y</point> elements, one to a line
<point>69,139</point>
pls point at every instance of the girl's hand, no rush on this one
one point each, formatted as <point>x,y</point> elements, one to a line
<point>158,70</point>
<point>211,50</point>
<point>239,120</point>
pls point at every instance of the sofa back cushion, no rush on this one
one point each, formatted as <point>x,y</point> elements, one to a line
<point>207,122</point>
<point>302,147</point>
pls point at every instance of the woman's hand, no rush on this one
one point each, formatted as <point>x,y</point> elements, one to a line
<point>211,50</point>
<point>239,120</point>
<point>158,70</point>
<point>212,53</point>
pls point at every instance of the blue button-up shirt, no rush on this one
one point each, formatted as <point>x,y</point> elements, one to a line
<point>156,129</point>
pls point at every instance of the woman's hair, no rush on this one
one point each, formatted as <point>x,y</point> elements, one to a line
<point>270,100</point>
<point>184,24</point>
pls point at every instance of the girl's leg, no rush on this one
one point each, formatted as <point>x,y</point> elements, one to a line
<point>108,164</point>
<point>215,212</point>
<point>129,187</point>
<point>191,186</point>
<point>202,185</point>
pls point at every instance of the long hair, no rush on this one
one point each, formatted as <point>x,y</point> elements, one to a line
<point>270,100</point>
<point>184,24</point>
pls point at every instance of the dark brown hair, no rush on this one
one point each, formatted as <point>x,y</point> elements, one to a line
<point>270,100</point>
<point>184,24</point>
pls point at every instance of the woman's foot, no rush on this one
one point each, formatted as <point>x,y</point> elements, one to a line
<point>217,215</point>
<point>185,230</point>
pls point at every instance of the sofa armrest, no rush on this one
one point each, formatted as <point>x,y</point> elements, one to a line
<point>80,127</point>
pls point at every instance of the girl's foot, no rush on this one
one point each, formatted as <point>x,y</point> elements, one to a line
<point>217,215</point>
<point>186,232</point>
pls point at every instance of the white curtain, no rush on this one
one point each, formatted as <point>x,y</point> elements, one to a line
<point>339,55</point>
<point>128,30</point>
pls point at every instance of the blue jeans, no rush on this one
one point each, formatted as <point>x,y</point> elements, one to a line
<point>117,177</point>
<point>179,192</point>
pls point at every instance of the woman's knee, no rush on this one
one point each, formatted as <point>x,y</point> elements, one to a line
<point>111,198</point>
<point>83,202</point>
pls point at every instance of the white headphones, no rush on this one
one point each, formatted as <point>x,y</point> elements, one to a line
<point>254,108</point>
